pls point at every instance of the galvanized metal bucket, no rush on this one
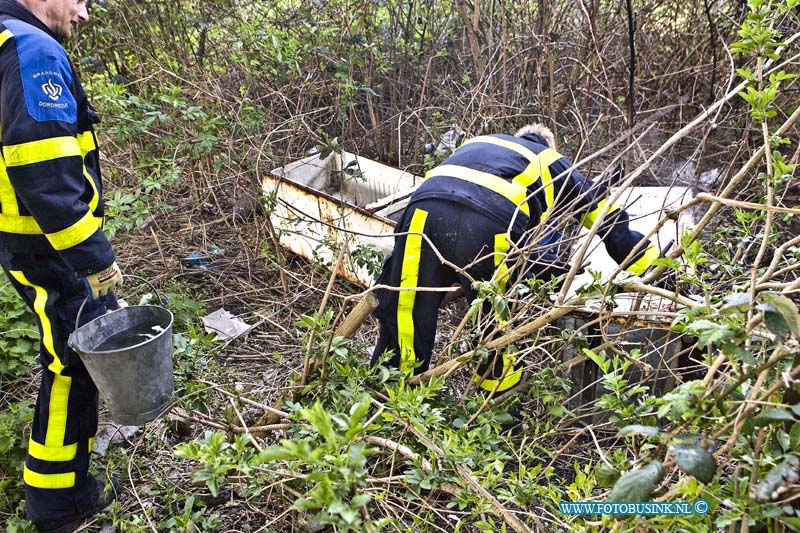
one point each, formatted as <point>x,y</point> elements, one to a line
<point>135,381</point>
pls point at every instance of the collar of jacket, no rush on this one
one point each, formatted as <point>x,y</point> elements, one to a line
<point>532,137</point>
<point>15,10</point>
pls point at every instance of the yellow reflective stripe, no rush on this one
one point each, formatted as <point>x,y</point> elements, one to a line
<point>521,150</point>
<point>91,444</point>
<point>643,263</point>
<point>44,150</point>
<point>501,247</point>
<point>39,304</point>
<point>540,168</point>
<point>549,193</point>
<point>59,394</point>
<point>409,278</point>
<point>511,191</point>
<point>48,481</point>
<point>512,377</point>
<point>57,413</point>
<point>19,225</point>
<point>75,234</point>
<point>4,36</point>
<point>547,155</point>
<point>25,225</point>
<point>95,193</point>
<point>8,198</point>
<point>588,220</point>
<point>538,165</point>
<point>86,142</point>
<point>52,453</point>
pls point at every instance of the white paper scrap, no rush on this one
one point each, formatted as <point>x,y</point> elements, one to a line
<point>225,325</point>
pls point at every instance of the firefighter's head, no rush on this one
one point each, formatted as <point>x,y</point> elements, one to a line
<point>61,16</point>
<point>539,130</point>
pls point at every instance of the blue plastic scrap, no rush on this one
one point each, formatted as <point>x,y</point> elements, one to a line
<point>200,260</point>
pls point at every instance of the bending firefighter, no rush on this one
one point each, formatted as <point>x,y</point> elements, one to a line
<point>52,246</point>
<point>475,209</point>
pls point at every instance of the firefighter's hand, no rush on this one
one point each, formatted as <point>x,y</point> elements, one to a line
<point>100,283</point>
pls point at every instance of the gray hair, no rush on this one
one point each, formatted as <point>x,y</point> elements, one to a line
<point>541,130</point>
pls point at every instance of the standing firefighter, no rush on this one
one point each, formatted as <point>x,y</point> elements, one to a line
<point>475,209</point>
<point>52,247</point>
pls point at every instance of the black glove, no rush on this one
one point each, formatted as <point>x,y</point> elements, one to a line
<point>616,175</point>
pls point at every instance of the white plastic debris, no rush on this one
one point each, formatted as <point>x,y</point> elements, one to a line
<point>112,433</point>
<point>709,179</point>
<point>451,139</point>
<point>225,325</point>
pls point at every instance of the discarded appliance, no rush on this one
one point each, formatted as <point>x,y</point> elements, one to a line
<point>319,205</point>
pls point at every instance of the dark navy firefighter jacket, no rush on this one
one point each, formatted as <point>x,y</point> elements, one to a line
<point>521,183</point>
<point>50,189</point>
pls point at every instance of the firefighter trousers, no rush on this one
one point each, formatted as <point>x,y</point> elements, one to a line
<point>58,486</point>
<point>466,239</point>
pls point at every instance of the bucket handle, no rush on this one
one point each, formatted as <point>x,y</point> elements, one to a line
<point>161,298</point>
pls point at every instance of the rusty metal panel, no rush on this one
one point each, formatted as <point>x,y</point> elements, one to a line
<point>315,225</point>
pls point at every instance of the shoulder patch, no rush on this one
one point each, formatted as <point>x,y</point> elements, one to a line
<point>46,74</point>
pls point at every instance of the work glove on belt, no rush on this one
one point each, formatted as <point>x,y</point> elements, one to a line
<point>100,283</point>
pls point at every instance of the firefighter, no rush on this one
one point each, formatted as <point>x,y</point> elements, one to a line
<point>465,221</point>
<point>52,246</point>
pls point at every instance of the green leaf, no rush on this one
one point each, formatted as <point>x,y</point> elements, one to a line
<point>786,308</point>
<point>273,454</point>
<point>735,301</point>
<point>695,461</point>
<point>606,475</point>
<point>599,359</point>
<point>746,73</point>
<point>680,401</point>
<point>359,409</point>
<point>778,480</point>
<point>202,475</point>
<point>794,436</point>
<point>637,429</point>
<point>774,415</point>
<point>302,504</point>
<point>708,332</point>
<point>213,486</point>
<point>637,485</point>
<point>774,320</point>
<point>791,522</point>
<point>360,500</point>
<point>321,420</point>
